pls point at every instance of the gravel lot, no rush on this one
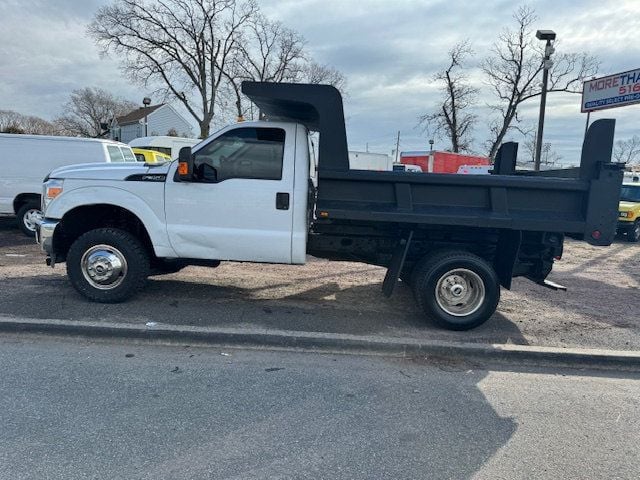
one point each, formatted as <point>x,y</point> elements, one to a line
<point>600,310</point>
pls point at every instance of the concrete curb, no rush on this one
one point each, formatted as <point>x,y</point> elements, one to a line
<point>329,342</point>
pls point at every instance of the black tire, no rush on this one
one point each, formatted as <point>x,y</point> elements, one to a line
<point>633,235</point>
<point>24,218</point>
<point>451,266</point>
<point>120,245</point>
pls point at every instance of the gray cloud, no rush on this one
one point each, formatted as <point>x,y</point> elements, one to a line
<point>387,50</point>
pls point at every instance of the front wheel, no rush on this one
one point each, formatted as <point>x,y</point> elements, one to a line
<point>456,289</point>
<point>633,235</point>
<point>27,215</point>
<point>107,265</point>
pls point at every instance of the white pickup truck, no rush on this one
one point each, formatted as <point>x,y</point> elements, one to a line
<point>248,193</point>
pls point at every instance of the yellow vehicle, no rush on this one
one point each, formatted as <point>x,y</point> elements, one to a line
<point>629,211</point>
<point>150,156</point>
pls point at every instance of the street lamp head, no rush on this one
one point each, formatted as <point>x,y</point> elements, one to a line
<point>146,101</point>
<point>546,35</point>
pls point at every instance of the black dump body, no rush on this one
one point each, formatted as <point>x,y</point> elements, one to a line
<point>582,203</point>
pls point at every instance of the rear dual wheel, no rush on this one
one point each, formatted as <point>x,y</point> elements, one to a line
<point>456,289</point>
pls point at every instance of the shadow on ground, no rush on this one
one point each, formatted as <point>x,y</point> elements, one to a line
<point>11,236</point>
<point>359,310</point>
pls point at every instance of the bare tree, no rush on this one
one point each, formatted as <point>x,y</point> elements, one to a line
<point>88,108</point>
<point>514,70</point>
<point>317,73</point>
<point>270,52</point>
<point>627,151</point>
<point>452,118</point>
<point>14,122</point>
<point>11,122</point>
<point>548,157</point>
<point>267,51</point>
<point>183,45</point>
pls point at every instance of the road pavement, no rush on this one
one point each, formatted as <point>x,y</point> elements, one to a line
<point>72,410</point>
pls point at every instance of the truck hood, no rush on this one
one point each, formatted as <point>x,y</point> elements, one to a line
<point>627,206</point>
<point>109,171</point>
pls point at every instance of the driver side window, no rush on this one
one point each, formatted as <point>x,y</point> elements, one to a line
<point>242,153</point>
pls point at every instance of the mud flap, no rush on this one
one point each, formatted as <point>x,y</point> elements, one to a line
<point>396,264</point>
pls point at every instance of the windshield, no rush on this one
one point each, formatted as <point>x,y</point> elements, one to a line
<point>165,150</point>
<point>630,193</point>
<point>115,154</point>
<point>128,154</point>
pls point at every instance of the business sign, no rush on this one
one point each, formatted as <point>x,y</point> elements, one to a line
<point>613,91</point>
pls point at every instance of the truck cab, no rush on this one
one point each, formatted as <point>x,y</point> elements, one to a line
<point>245,198</point>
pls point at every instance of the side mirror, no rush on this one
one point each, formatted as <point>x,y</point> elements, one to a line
<point>185,164</point>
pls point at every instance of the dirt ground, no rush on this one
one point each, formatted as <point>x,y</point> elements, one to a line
<point>601,309</point>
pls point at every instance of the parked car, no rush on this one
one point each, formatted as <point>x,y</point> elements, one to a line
<point>629,210</point>
<point>26,160</point>
<point>150,156</point>
<point>164,144</point>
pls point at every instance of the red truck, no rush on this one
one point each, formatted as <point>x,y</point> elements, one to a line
<point>440,162</point>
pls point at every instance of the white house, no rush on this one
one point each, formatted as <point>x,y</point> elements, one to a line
<point>160,120</point>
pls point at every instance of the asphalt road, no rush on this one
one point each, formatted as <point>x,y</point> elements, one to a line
<point>73,410</point>
<point>600,310</point>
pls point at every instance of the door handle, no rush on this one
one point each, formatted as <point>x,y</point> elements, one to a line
<point>282,201</point>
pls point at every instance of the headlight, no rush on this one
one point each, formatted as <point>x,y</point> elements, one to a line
<point>623,214</point>
<point>51,189</point>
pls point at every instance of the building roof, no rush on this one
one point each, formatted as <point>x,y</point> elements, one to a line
<point>137,115</point>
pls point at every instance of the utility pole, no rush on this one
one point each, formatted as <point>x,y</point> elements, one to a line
<point>397,147</point>
<point>586,127</point>
<point>146,101</point>
<point>549,36</point>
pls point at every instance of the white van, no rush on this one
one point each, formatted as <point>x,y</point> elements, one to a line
<point>164,144</point>
<point>25,160</point>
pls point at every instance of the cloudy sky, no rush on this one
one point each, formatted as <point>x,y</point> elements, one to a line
<point>388,51</point>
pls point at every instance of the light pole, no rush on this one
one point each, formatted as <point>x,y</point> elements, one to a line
<point>146,101</point>
<point>549,36</point>
<point>431,159</point>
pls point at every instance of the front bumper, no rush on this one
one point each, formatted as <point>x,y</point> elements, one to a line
<point>45,228</point>
<point>625,227</point>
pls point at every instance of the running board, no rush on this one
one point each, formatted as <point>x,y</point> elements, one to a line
<point>552,285</point>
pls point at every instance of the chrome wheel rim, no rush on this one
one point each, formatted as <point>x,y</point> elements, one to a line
<point>460,292</point>
<point>104,267</point>
<point>29,219</point>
